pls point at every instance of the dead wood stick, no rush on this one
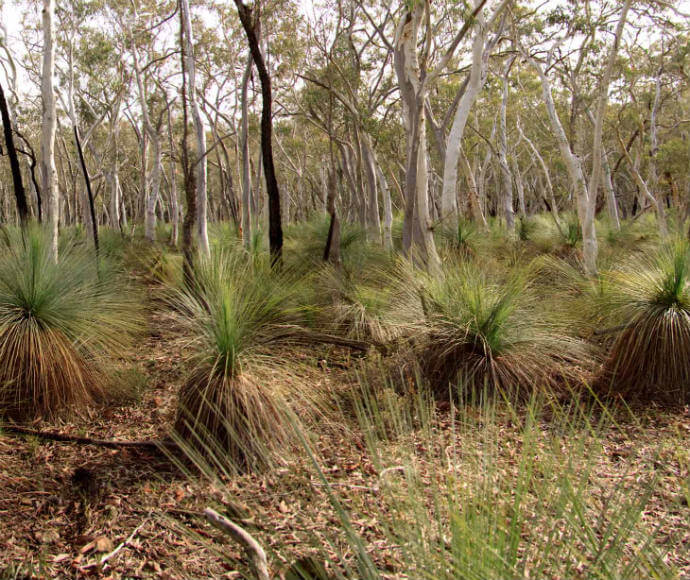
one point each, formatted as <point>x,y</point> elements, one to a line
<point>110,443</point>
<point>611,330</point>
<point>256,553</point>
<point>119,547</point>
<point>295,334</point>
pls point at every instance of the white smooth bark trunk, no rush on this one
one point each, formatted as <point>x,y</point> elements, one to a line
<point>449,207</point>
<point>577,178</point>
<point>418,239</point>
<point>597,147</point>
<point>48,127</point>
<point>506,176</point>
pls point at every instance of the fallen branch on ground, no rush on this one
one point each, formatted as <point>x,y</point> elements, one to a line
<point>256,553</point>
<point>298,335</point>
<point>64,438</point>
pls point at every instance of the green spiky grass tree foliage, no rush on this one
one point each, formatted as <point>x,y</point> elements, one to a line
<point>650,300</point>
<point>60,322</point>
<point>482,332</point>
<point>460,237</point>
<point>238,312</point>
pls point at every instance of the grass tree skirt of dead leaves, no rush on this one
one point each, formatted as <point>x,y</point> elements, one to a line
<point>60,323</point>
<point>231,421</point>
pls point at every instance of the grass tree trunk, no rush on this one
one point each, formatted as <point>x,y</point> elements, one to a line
<point>49,177</point>
<point>250,20</point>
<point>200,162</point>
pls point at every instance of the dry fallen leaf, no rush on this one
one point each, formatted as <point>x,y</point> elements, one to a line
<point>103,544</point>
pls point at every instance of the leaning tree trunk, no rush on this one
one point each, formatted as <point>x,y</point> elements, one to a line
<point>275,228</point>
<point>453,146</point>
<point>89,192</point>
<point>49,176</point>
<point>577,178</point>
<point>20,196</point>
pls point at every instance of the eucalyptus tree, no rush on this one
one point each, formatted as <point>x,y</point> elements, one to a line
<point>250,17</point>
<point>355,71</point>
<point>450,145</point>
<point>421,55</point>
<point>570,28</point>
<point>49,179</point>
<point>200,161</point>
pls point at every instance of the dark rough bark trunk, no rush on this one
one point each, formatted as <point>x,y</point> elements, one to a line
<point>331,252</point>
<point>275,229</point>
<point>188,245</point>
<point>87,181</point>
<point>20,195</point>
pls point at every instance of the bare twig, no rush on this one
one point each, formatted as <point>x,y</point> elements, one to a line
<point>256,553</point>
<point>119,547</point>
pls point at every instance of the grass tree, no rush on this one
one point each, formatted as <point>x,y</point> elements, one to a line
<point>60,322</point>
<point>485,332</point>
<point>650,300</point>
<point>237,311</point>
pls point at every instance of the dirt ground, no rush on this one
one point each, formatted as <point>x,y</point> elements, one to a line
<point>64,506</point>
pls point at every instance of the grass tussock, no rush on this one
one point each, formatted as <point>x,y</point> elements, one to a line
<point>59,324</point>
<point>378,305</point>
<point>491,492</point>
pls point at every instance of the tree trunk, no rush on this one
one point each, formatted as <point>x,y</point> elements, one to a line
<point>597,148</point>
<point>246,169</point>
<point>188,243</point>
<point>418,240</point>
<point>275,228</point>
<point>507,182</point>
<point>200,161</point>
<point>577,178</point>
<point>174,203</point>
<point>19,194</point>
<point>89,193</point>
<point>453,146</point>
<point>49,185</point>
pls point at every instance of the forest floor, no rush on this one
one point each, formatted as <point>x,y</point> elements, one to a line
<point>66,506</point>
